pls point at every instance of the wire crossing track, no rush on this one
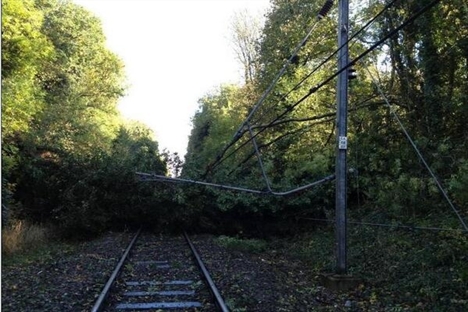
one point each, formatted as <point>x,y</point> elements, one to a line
<point>160,274</point>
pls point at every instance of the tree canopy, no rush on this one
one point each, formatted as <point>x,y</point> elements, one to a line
<point>420,72</point>
<point>70,159</point>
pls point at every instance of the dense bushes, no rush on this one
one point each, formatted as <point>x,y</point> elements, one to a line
<point>68,158</point>
<point>420,72</point>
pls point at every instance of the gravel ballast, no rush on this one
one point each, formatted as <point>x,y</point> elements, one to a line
<point>71,280</point>
<point>248,281</point>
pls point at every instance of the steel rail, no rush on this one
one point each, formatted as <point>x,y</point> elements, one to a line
<point>213,289</point>
<point>105,291</point>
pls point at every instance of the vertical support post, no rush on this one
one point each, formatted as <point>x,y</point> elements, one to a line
<point>341,168</point>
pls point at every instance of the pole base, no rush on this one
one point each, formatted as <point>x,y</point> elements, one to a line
<point>338,282</point>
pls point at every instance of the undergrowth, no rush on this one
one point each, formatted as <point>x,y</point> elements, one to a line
<point>243,245</point>
<point>24,243</point>
<point>401,269</point>
<point>21,236</point>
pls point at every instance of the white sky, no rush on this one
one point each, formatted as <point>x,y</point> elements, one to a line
<point>175,51</point>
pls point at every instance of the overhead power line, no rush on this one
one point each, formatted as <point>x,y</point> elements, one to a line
<point>148,177</point>
<point>242,130</point>
<point>220,158</point>
<point>395,226</point>
<point>326,60</point>
<point>318,119</point>
<point>323,11</point>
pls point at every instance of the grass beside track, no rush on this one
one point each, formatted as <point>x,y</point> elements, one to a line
<point>402,270</point>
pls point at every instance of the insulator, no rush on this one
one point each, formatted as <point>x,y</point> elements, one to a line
<point>352,73</point>
<point>325,9</point>
<point>295,59</point>
<point>313,89</point>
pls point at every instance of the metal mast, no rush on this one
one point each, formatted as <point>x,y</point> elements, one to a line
<point>342,140</point>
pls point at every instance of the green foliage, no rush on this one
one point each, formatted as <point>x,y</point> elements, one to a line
<point>418,270</point>
<point>68,159</point>
<point>25,52</point>
<point>243,245</point>
<point>99,192</point>
<point>213,126</point>
<point>423,80</point>
<point>83,83</point>
<point>459,184</point>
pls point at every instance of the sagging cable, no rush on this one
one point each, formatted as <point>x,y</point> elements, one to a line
<point>259,157</point>
<point>148,177</point>
<point>418,152</point>
<point>353,62</point>
<point>238,134</point>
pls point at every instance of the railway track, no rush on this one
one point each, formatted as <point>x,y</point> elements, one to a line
<point>158,273</point>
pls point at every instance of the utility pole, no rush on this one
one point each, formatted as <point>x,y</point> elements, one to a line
<point>342,139</point>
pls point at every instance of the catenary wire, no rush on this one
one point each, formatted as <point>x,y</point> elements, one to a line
<point>326,60</point>
<point>259,158</point>
<point>148,177</point>
<point>314,89</point>
<point>336,51</point>
<point>323,11</point>
<point>316,117</point>
<point>329,116</point>
<point>408,227</point>
<point>242,129</point>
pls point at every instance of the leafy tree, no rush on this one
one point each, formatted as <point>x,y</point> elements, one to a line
<point>424,85</point>
<point>75,158</point>
<point>246,32</point>
<point>213,126</point>
<point>83,83</point>
<point>423,81</point>
<point>25,52</point>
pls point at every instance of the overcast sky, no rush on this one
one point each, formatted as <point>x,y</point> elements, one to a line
<point>175,51</point>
